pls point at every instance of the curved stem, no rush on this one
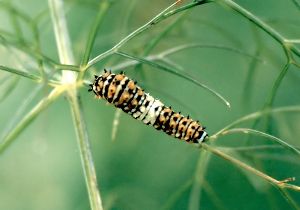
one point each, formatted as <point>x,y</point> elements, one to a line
<point>261,24</point>
<point>256,115</point>
<point>276,85</point>
<point>177,73</point>
<point>268,136</point>
<point>158,18</point>
<point>271,180</point>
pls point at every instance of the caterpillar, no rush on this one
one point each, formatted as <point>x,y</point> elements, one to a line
<point>124,93</point>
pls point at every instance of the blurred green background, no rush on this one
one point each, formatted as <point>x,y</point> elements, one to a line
<point>143,168</point>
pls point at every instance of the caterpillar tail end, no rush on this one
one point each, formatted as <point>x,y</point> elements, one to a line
<point>203,137</point>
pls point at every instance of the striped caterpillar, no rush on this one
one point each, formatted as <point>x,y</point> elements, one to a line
<point>125,94</point>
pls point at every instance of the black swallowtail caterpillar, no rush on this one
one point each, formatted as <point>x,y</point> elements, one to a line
<point>125,94</point>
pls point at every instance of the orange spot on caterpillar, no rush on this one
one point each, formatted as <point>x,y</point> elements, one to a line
<point>132,99</point>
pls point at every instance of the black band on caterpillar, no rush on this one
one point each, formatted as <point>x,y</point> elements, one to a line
<point>123,93</point>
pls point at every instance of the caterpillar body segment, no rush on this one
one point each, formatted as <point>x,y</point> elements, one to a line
<point>125,94</point>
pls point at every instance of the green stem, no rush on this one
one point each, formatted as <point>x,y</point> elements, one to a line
<point>200,172</point>
<point>177,194</point>
<point>158,18</point>
<point>162,56</point>
<point>85,152</point>
<point>66,66</point>
<point>23,123</point>
<point>69,78</point>
<point>181,9</point>
<point>22,73</point>
<point>276,85</point>
<point>253,149</point>
<point>297,4</point>
<point>26,49</point>
<point>153,43</point>
<point>261,24</point>
<point>92,36</point>
<point>256,115</point>
<point>177,73</point>
<point>33,77</point>
<point>289,199</point>
<point>265,135</point>
<point>17,26</point>
<point>264,176</point>
<point>38,49</point>
<point>62,38</point>
<point>209,46</point>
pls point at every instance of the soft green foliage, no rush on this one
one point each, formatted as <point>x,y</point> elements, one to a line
<point>235,66</point>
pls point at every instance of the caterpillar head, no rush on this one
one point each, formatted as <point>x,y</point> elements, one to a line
<point>94,85</point>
